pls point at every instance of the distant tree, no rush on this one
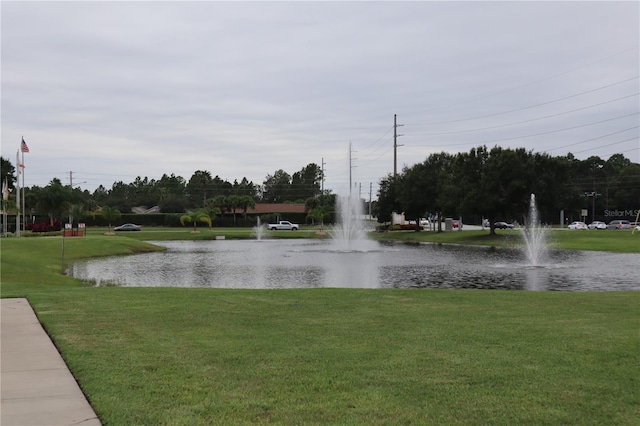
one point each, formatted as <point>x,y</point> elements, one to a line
<point>321,214</point>
<point>173,204</point>
<point>276,187</point>
<point>220,202</point>
<point>245,188</point>
<point>234,203</point>
<point>244,202</point>
<point>120,196</point>
<point>100,195</point>
<point>199,188</point>
<point>171,187</point>
<point>220,187</point>
<point>77,213</point>
<point>625,192</point>
<point>388,201</point>
<point>53,199</point>
<point>110,214</point>
<point>306,182</point>
<point>7,172</point>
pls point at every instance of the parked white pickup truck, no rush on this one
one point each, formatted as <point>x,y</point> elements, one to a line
<point>283,225</point>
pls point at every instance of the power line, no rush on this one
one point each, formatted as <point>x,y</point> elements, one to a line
<point>593,139</point>
<point>603,146</point>
<point>539,134</point>
<point>525,121</point>
<point>527,107</point>
<point>542,79</point>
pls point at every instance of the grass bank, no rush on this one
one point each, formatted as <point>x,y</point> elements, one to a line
<point>203,233</point>
<point>331,356</point>
<point>609,240</point>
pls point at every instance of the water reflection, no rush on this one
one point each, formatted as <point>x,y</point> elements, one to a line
<point>313,263</point>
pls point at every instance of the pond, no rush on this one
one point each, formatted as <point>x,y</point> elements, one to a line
<point>252,264</point>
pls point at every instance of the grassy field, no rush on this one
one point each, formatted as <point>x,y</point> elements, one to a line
<point>331,356</point>
<point>605,240</point>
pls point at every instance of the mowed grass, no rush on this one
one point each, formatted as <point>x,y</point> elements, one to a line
<point>162,233</point>
<point>602,240</point>
<point>331,356</point>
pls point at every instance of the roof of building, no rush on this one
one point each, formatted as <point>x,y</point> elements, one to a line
<point>277,208</point>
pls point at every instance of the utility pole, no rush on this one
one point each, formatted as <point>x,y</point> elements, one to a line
<point>351,151</point>
<point>370,189</point>
<point>593,195</point>
<point>395,145</point>
<point>322,168</point>
<point>70,186</point>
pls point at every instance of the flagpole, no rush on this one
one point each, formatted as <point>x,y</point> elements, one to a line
<point>5,199</point>
<point>23,197</point>
<point>18,194</point>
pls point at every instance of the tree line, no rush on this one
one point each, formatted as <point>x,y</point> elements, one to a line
<point>171,193</point>
<point>497,184</point>
<point>486,183</point>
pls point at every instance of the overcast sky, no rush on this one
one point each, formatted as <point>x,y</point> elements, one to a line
<point>114,90</point>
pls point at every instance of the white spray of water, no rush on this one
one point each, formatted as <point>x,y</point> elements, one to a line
<point>534,236</point>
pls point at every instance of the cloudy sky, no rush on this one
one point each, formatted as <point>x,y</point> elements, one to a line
<point>114,90</point>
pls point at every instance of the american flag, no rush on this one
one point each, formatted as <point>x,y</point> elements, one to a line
<point>23,146</point>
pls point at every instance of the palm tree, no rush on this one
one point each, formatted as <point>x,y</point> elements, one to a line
<point>110,214</point>
<point>195,217</point>
<point>244,203</point>
<point>320,214</point>
<point>234,203</point>
<point>77,212</point>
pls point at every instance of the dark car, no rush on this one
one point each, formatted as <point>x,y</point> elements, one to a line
<point>503,225</point>
<point>127,227</point>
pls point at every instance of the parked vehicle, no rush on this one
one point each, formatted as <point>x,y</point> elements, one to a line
<point>424,222</point>
<point>283,225</point>
<point>619,224</point>
<point>578,225</point>
<point>503,225</point>
<point>596,224</point>
<point>127,227</point>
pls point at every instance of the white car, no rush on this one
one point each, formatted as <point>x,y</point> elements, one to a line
<point>596,224</point>
<point>578,225</point>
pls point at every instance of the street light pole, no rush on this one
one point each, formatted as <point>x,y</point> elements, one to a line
<point>593,195</point>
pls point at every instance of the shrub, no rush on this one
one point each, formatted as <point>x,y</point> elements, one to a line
<point>43,226</point>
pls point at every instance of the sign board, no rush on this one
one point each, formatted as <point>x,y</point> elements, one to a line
<point>584,212</point>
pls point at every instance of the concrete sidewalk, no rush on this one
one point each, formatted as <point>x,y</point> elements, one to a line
<point>36,387</point>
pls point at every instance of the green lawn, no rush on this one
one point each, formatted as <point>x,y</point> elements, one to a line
<point>204,233</point>
<point>331,356</point>
<point>604,240</point>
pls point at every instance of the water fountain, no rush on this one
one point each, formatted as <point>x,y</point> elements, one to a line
<point>349,234</point>
<point>534,236</point>
<point>258,230</point>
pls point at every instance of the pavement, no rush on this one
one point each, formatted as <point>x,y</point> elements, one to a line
<point>36,386</point>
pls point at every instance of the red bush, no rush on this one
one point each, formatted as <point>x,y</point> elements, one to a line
<point>44,226</point>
